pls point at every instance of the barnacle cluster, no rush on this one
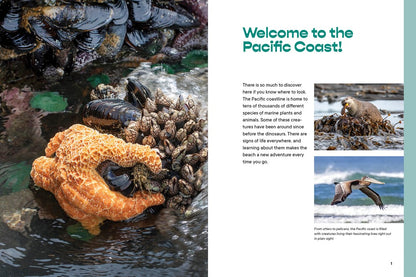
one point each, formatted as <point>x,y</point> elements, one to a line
<point>173,126</point>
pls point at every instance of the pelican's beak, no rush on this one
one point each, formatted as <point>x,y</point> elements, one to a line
<point>374,181</point>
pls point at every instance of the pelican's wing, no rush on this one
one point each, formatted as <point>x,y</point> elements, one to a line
<point>341,193</point>
<point>374,196</point>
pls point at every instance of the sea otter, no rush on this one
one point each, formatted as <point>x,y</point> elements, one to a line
<point>361,109</point>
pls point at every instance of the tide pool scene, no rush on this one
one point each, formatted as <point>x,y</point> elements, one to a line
<point>358,207</point>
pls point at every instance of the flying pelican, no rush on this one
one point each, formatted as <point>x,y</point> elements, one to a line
<point>343,189</point>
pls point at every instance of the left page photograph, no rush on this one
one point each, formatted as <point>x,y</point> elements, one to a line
<point>104,137</point>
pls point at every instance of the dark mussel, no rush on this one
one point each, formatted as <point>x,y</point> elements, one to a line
<point>110,113</point>
<point>115,36</point>
<point>128,180</point>
<point>20,40</point>
<point>78,17</point>
<point>155,17</point>
<point>12,36</point>
<point>92,28</point>
<point>164,18</point>
<point>116,177</point>
<point>121,12</point>
<point>146,20</point>
<point>11,18</point>
<point>45,32</point>
<point>56,24</point>
<point>140,10</point>
<point>119,182</point>
<point>137,93</point>
<point>89,41</point>
<point>145,42</point>
<point>132,90</point>
<point>116,30</point>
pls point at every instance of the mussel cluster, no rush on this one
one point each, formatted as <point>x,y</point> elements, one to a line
<point>352,126</point>
<point>59,36</point>
<point>174,127</point>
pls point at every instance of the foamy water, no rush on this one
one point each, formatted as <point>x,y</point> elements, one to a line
<point>358,214</point>
<point>332,175</point>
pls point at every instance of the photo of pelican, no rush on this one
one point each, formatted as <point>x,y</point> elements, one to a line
<point>380,180</point>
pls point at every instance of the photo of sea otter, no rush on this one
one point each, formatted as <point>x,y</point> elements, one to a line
<point>359,116</point>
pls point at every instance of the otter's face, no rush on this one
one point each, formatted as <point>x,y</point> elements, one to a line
<point>347,102</point>
<point>348,105</point>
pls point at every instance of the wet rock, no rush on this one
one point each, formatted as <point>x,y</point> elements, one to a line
<point>166,220</point>
<point>19,220</point>
<point>17,210</point>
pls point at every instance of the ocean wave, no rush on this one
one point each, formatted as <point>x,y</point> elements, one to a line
<point>361,219</point>
<point>359,210</point>
<point>330,175</point>
<point>358,214</point>
<point>399,175</point>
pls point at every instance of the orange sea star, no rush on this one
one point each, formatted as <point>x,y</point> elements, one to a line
<point>72,177</point>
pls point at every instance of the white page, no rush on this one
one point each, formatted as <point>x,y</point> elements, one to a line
<point>261,217</point>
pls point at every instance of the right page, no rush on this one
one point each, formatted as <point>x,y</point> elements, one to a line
<point>307,138</point>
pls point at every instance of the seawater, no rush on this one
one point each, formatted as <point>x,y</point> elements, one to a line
<point>358,214</point>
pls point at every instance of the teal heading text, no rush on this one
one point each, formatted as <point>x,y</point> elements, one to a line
<point>281,41</point>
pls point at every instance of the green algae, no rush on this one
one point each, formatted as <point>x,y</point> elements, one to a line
<point>195,58</point>
<point>14,177</point>
<point>50,101</point>
<point>76,231</point>
<point>97,79</point>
